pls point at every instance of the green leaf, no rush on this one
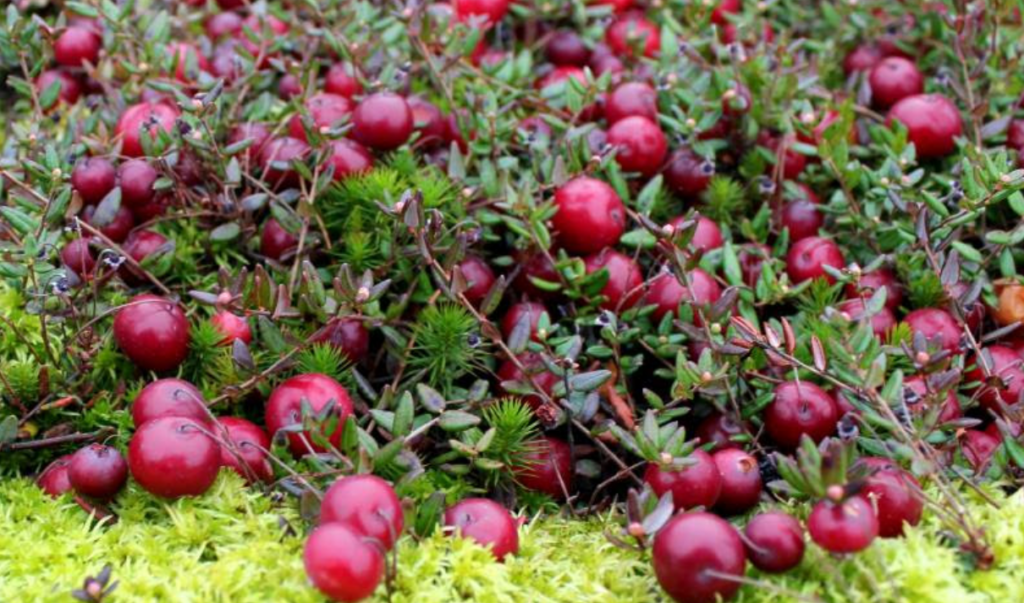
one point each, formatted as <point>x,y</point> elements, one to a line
<point>8,429</point>
<point>457,420</point>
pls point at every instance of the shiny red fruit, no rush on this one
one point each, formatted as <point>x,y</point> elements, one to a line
<point>872,281</point>
<point>535,368</point>
<point>347,335</point>
<point>802,218</point>
<point>590,215</point>
<point>719,430</point>
<point>491,10</point>
<point>639,143</point>
<point>625,279</point>
<point>775,542</point>
<point>633,31</point>
<point>172,457</point>
<point>54,479</point>
<point>276,242</point>
<point>428,120</point>
<point>892,80</point>
<point>93,178</point>
<point>528,311</point>
<point>151,117</point>
<point>724,8</point>
<point>341,79</point>
<point>560,75</point>
<point>249,457</point>
<point>137,178</point>
<point>936,325</point>
<point>629,99</point>
<point>77,256</point>
<point>897,500</point>
<point>140,245</point>
<point>793,163</point>
<point>479,278</point>
<point>800,408</point>
<point>741,481</point>
<point>706,236</point>
<point>348,158</point>
<point>1003,363</point>
<point>266,28</point>
<point>688,174</point>
<point>276,157</point>
<point>919,400</point>
<point>881,322</point>
<point>547,468</point>
<point>289,87</point>
<point>284,409</point>
<point>844,527</point>
<point>566,47</point>
<point>188,61</point>
<point>535,266</point>
<point>367,505</point>
<point>382,121</point>
<point>325,111</point>
<point>667,291</point>
<point>978,448</point>
<point>98,471</point>
<point>258,133</point>
<point>232,327</point>
<point>76,46</point>
<point>341,564</point>
<point>752,258</point>
<point>688,547</point>
<point>862,58</point>
<point>696,483</point>
<point>933,123</point>
<point>223,25</point>
<point>68,92</point>
<point>808,257</point>
<point>169,398</point>
<point>486,522</point>
<point>152,332</point>
<point>117,228</point>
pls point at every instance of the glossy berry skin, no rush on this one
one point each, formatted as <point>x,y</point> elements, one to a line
<point>250,441</point>
<point>528,311</point>
<point>892,80</point>
<point>590,215</point>
<point>630,31</point>
<point>870,282</point>
<point>719,430</point>
<point>382,121</point>
<point>492,11</point>
<point>894,493</point>
<point>479,278</point>
<point>546,467</point>
<point>706,237</point>
<point>802,218</point>
<point>289,86</point>
<point>276,157</point>
<point>919,400</point>
<point>68,92</point>
<point>844,527</point>
<point>266,27</point>
<point>862,58</point>
<point>347,335</point>
<point>535,368</point>
<point>275,241</point>
<point>169,397</point>
<point>752,258</point>
<point>341,80</point>
<point>535,265</point>
<point>117,228</point>
<point>257,132</point>
<point>688,174</point>
<point>978,448</point>
<point>937,325</point>
<point>793,163</point>
<point>428,121</point>
<point>640,144</point>
<point>687,547</point>
<point>881,322</point>
<point>1006,365</point>
<point>140,245</point>
<point>625,280</point>
<point>98,471</point>
<point>54,479</point>
<point>724,8</point>
<point>341,564</point>
<point>153,332</point>
<point>667,292</point>
<point>77,256</point>
<point>566,47</point>
<point>800,408</point>
<point>76,46</point>
<point>486,522</point>
<point>284,408</point>
<point>367,505</point>
<point>741,481</point>
<point>185,54</point>
<point>808,257</point>
<point>629,99</point>
<point>697,484</point>
<point>171,457</point>
<point>933,122</point>
<point>137,178</point>
<point>232,327</point>
<point>348,158</point>
<point>778,542</point>
<point>93,178</point>
<point>223,25</point>
<point>325,110</point>
<point>561,75</point>
<point>152,117</point>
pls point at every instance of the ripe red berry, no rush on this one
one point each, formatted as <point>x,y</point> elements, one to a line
<point>289,87</point>
<point>919,399</point>
<point>639,143</point>
<point>893,79</point>
<point>258,133</point>
<point>77,45</point>
<point>382,121</point>
<point>775,541</point>
<point>848,526</point>
<point>232,327</point>
<point>173,457</point>
<point>284,409</point>
<point>347,335</point>
<point>882,321</point>
<point>561,75</point>
<point>719,430</point>
<point>808,257</point>
<point>629,99</point>
<point>688,174</point>
<point>724,8</point>
<point>153,332</point>
<point>566,47</point>
<point>140,245</point>
<point>276,242</point>
<point>530,312</point>
<point>535,368</point>
<point>862,58</point>
<point>77,256</point>
<point>54,479</point>
<point>688,547</point>
<point>137,179</point>
<point>348,157</point>
<point>249,457</point>
<point>151,117</point>
<point>479,278</point>
<point>933,123</point>
<point>325,111</point>
<point>872,281</point>
<point>116,228</point>
<point>341,79</point>
<point>223,25</point>
<point>277,155</point>
<point>486,522</point>
<point>97,471</point>
<point>367,505</point>
<point>491,10</point>
<point>546,467</point>
<point>936,325</point>
<point>93,178</point>
<point>341,564</point>
<point>428,120</point>
<point>68,92</point>
<point>696,482</point>
<point>535,265</point>
<point>266,29</point>
<point>625,280</point>
<point>667,292</point>
<point>800,408</point>
<point>792,162</point>
<point>1004,363</point>
<point>633,31</point>
<point>897,500</point>
<point>978,448</point>
<point>188,61</point>
<point>169,398</point>
<point>752,258</point>
<point>741,481</point>
<point>802,218</point>
<point>590,215</point>
<point>706,237</point>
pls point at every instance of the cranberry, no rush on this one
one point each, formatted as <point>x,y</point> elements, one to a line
<point>428,121</point>
<point>893,79</point>
<point>719,430</point>
<point>566,47</point>
<point>894,493</point>
<point>720,15</point>
<point>226,62</point>
<point>54,479</point>
<point>808,257</point>
<point>741,481</point>
<point>153,332</point>
<point>140,245</point>
<point>224,25</point>
<point>737,101</point>
<point>919,399</point>
<point>640,144</point>
<point>534,366</point>
<point>93,178</point>
<point>232,327</point>
<point>535,266</point>
<point>347,335</point>
<point>98,471</point>
<point>348,157</point>
<point>697,483</point>
<point>137,178</point>
<point>802,218</point>
<point>382,121</point>
<point>547,468</point>
<point>169,398</point>
<point>288,88</point>
<point>486,522</point>
<point>978,448</point>
<point>882,321</point>
<point>174,456</point>
<point>276,157</point>
<point>793,163</point>
<point>118,226</point>
<point>937,326</point>
<point>800,408</point>
<point>688,174</point>
<point>933,122</point>
<point>667,292</point>
<point>625,279</point>
<point>775,541</point>
<point>184,55</point>
<point>341,564</point>
<point>77,256</point>
<point>492,10</point>
<point>1015,135</point>
<point>69,89</point>
<point>618,6</point>
<point>590,215</point>
<point>249,457</point>
<point>560,75</point>
<point>633,31</point>
<point>843,527</point>
<point>881,278</point>
<point>706,236</point>
<point>153,117</point>
<point>688,547</point>
<point>479,278</point>
<point>862,58</point>
<point>77,45</point>
<point>629,99</point>
<point>325,111</point>
<point>752,258</point>
<point>341,79</point>
<point>367,505</point>
<point>1006,365</point>
<point>276,242</point>
<point>258,133</point>
<point>284,409</point>
<point>522,311</point>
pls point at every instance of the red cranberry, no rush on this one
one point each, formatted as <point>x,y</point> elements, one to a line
<point>186,54</point>
<point>793,163</point>
<point>741,481</point>
<point>348,158</point>
<point>736,101</point>
<point>276,241</point>
<point>382,121</point>
<point>77,256</point>
<point>258,133</point>
<point>936,325</point>
<point>98,471</point>
<point>752,258</point>
<point>522,311</point>
<point>800,408</point>
<point>140,245</point>
<point>633,30</point>
<point>881,322</point>
<point>919,399</point>
<point>93,178</point>
<point>719,430</point>
<point>1006,365</point>
<point>978,448</point>
<point>341,564</point>
<point>697,483</point>
<point>707,235</point>
<point>862,58</point>
<point>325,111</point>
<point>547,468</point>
<point>284,409</point>
<point>367,505</point>
<point>893,79</point>
<point>668,292</point>
<point>347,335</point>
<point>428,120</point>
<point>894,493</point>
<point>341,79</point>
<point>618,6</point>
<point>688,173</point>
<point>491,10</point>
<point>226,62</point>
<point>560,75</point>
<point>276,157</point>
<point>775,542</point>
<point>479,278</point>
<point>289,87</point>
<point>232,327</point>
<point>153,332</point>
<point>625,279</point>
<point>590,215</point>
<point>933,122</point>
<point>720,15</point>
<point>802,218</point>
<point>881,278</point>
<point>486,522</point>
<point>534,366</point>
<point>808,257</point>
<point>169,398</point>
<point>69,89</point>
<point>688,547</point>
<point>224,25</point>
<point>116,228</point>
<point>153,117</point>
<point>629,99</point>
<point>844,527</point>
<point>174,456</point>
<point>1015,135</point>
<point>535,266</point>
<point>54,479</point>
<point>640,144</point>
<point>137,178</point>
<point>566,47</point>
<point>249,458</point>
<point>77,45</point>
